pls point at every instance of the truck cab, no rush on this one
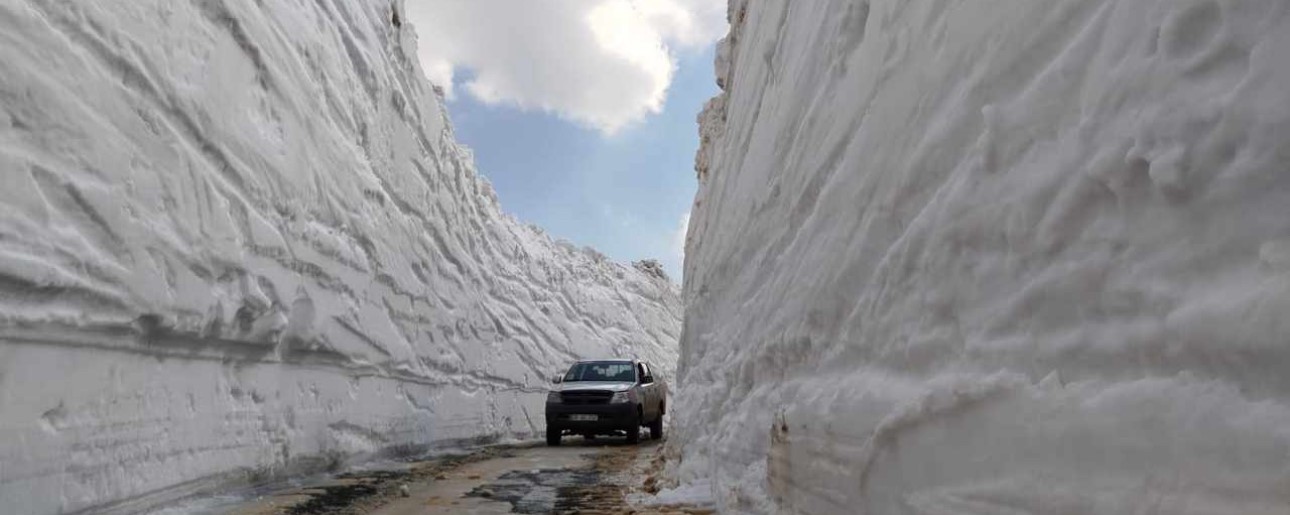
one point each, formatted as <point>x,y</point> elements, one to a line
<point>606,397</point>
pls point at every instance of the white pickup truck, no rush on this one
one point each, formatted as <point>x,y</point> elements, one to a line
<point>606,397</point>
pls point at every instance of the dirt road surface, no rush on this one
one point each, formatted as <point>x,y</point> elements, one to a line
<point>581,476</point>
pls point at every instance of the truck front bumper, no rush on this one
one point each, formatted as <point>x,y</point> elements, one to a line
<point>609,417</point>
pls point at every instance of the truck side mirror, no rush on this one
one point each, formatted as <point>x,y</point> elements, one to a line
<point>557,379</point>
<point>647,379</point>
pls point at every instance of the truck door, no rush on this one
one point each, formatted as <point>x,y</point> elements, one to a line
<point>649,391</point>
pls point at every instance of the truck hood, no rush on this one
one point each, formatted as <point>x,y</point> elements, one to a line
<point>580,386</point>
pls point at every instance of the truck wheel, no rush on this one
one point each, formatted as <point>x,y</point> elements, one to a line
<point>552,436</point>
<point>634,430</point>
<point>656,428</point>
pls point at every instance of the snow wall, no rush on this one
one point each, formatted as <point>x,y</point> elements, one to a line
<point>238,241</point>
<point>999,256</point>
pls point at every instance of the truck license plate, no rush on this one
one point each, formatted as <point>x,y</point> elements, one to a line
<point>582,418</point>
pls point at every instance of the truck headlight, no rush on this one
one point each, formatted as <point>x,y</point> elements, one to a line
<point>621,397</point>
<point>553,397</point>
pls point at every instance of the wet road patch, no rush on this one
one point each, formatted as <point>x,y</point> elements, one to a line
<point>551,491</point>
<point>352,488</point>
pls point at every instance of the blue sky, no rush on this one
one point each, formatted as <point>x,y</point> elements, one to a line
<point>580,112</point>
<point>624,194</point>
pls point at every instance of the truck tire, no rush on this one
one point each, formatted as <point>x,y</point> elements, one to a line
<point>552,437</point>
<point>656,428</point>
<point>634,432</point>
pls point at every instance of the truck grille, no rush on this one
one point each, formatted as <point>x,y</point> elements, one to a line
<point>587,397</point>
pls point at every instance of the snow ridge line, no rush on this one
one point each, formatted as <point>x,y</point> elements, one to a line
<point>127,339</point>
<point>136,80</point>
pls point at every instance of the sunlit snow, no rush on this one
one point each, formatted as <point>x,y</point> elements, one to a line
<point>1002,256</point>
<point>238,241</point>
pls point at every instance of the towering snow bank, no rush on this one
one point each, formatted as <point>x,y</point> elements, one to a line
<point>238,237</point>
<point>993,256</point>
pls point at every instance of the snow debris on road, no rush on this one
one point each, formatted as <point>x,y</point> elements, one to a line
<point>995,256</point>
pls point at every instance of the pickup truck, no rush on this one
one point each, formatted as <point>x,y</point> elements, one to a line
<point>606,397</point>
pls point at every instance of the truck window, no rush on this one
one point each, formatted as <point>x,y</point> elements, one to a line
<point>606,371</point>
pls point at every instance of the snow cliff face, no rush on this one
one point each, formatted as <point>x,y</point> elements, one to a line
<point>986,257</point>
<point>239,240</point>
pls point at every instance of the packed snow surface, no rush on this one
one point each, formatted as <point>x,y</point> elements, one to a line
<point>238,240</point>
<point>999,256</point>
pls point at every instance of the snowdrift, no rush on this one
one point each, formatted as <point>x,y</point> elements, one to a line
<point>992,257</point>
<point>238,240</point>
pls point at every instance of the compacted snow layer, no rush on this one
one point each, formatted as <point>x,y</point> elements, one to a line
<point>238,240</point>
<point>999,256</point>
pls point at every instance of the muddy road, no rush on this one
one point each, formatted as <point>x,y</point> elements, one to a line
<point>581,476</point>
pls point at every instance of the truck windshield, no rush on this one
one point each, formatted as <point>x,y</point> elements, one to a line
<point>603,371</point>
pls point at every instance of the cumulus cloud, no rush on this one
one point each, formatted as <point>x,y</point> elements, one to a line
<point>678,237</point>
<point>601,63</point>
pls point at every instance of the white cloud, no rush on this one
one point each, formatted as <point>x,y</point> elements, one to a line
<point>678,237</point>
<point>674,260</point>
<point>601,63</point>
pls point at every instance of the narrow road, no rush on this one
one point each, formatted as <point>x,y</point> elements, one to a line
<point>581,476</point>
